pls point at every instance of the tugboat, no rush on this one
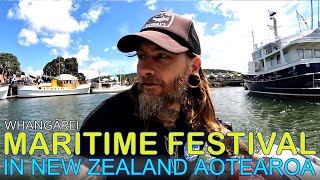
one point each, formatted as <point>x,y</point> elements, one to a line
<point>287,66</point>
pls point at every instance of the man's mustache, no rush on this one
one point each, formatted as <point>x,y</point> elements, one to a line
<point>149,80</point>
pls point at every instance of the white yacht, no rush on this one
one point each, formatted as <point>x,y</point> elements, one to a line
<point>108,87</point>
<point>65,84</point>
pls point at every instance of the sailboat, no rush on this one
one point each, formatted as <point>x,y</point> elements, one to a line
<point>287,66</point>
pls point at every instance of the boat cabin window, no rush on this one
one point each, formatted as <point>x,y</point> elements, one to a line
<point>308,53</point>
<point>278,59</point>
<point>273,61</point>
<point>300,53</point>
<point>285,55</point>
<point>317,53</point>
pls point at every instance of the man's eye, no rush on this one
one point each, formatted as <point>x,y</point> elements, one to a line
<point>163,55</point>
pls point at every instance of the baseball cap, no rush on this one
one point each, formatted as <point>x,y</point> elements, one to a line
<point>168,30</point>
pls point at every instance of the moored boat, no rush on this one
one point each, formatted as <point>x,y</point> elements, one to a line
<point>3,92</point>
<point>109,88</point>
<point>287,66</point>
<point>65,84</point>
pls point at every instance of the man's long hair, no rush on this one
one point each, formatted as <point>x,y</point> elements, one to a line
<point>200,107</point>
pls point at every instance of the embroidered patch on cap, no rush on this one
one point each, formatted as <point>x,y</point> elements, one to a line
<point>189,157</point>
<point>162,19</point>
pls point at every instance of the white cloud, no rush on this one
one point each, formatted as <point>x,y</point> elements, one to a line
<point>93,14</point>
<point>27,38</point>
<point>151,4</point>
<point>82,55</point>
<point>58,40</point>
<point>49,18</point>
<point>32,72</point>
<point>99,64</point>
<point>209,6</point>
<point>106,50</point>
<point>216,26</point>
<point>93,69</point>
<point>231,47</point>
<point>190,16</point>
<point>54,51</point>
<point>114,47</point>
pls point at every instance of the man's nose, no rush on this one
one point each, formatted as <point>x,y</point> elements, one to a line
<point>146,67</point>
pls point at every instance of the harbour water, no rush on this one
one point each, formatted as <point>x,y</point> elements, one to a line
<point>247,112</point>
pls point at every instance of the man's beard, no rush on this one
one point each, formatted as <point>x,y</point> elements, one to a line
<point>159,105</point>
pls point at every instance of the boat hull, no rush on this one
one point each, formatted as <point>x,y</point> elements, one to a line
<point>307,85</point>
<point>34,91</point>
<point>4,92</point>
<point>110,90</point>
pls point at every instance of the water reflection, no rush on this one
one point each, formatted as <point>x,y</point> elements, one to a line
<point>255,113</point>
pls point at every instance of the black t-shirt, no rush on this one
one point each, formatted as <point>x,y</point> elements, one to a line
<point>118,114</point>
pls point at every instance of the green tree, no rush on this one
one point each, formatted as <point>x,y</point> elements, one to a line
<point>81,76</point>
<point>71,66</point>
<point>67,66</point>
<point>52,68</point>
<point>9,64</point>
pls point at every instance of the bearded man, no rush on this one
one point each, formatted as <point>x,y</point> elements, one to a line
<point>171,94</point>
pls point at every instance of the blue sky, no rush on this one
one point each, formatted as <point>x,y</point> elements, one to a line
<point>37,31</point>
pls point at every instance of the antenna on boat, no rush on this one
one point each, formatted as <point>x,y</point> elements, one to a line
<point>275,30</point>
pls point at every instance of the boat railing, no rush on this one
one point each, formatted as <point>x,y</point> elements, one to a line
<point>289,77</point>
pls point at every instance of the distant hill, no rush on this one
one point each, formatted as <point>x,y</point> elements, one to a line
<point>132,76</point>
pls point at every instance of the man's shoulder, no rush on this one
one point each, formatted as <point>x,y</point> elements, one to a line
<point>120,102</point>
<point>109,112</point>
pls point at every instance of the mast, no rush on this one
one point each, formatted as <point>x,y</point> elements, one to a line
<point>99,79</point>
<point>59,65</point>
<point>275,30</point>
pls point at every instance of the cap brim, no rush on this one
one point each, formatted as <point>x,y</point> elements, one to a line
<point>130,43</point>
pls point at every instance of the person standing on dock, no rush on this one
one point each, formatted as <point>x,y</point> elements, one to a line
<point>171,94</point>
